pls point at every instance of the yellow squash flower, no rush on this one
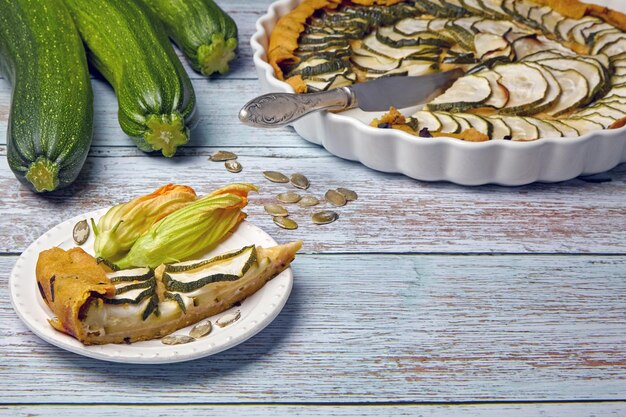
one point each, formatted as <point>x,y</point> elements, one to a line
<point>123,224</point>
<point>191,230</point>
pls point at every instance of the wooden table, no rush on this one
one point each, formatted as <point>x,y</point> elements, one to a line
<point>424,299</point>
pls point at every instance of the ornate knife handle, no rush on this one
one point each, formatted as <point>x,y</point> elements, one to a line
<point>279,109</point>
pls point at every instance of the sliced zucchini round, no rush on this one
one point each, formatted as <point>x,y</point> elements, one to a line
<point>454,8</point>
<point>546,130</point>
<point>466,93</point>
<point>618,91</point>
<point>552,95</point>
<point>463,123</point>
<point>499,94</point>
<point>473,6</point>
<point>317,38</point>
<point>479,123</point>
<point>339,80</point>
<point>583,126</point>
<point>589,34</point>
<point>614,48</point>
<point>448,123</point>
<point>412,26</point>
<point>607,42</point>
<point>485,43</point>
<point>549,44</point>
<point>526,46</point>
<point>596,117</point>
<point>576,34</point>
<point>375,64</point>
<point>549,21</point>
<point>390,37</point>
<point>574,90</point>
<point>564,27</point>
<point>495,27</point>
<point>526,85</point>
<point>602,109</point>
<point>414,68</point>
<point>536,16</point>
<point>461,35</point>
<point>615,102</point>
<point>567,131</point>
<point>538,56</point>
<point>437,25</point>
<point>372,44</point>
<point>590,71</point>
<point>428,120</point>
<point>500,129</point>
<point>494,8</point>
<point>521,129</point>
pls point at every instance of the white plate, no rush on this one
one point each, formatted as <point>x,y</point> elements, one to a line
<point>257,311</point>
<point>348,136</point>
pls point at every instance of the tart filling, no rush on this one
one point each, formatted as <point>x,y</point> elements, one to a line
<point>98,306</point>
<point>533,69</point>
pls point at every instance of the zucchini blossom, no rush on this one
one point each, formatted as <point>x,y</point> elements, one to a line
<point>191,230</point>
<point>123,224</point>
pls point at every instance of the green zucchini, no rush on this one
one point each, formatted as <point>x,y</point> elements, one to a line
<point>228,267</point>
<point>50,125</point>
<point>205,33</point>
<point>127,44</point>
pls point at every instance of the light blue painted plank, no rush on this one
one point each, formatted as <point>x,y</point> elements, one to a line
<point>393,213</point>
<point>363,328</point>
<point>509,410</point>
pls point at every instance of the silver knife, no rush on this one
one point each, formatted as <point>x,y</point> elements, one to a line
<point>279,109</point>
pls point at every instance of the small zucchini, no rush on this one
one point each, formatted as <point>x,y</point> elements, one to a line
<point>130,48</point>
<point>50,125</point>
<point>206,34</point>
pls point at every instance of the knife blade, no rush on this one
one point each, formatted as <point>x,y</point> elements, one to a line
<point>279,109</point>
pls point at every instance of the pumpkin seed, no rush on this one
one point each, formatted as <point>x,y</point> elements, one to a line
<point>276,210</point>
<point>201,329</point>
<point>308,201</point>
<point>233,166</point>
<point>176,339</point>
<point>289,197</point>
<point>229,318</point>
<point>221,156</point>
<point>324,217</point>
<point>300,181</point>
<point>285,222</point>
<point>335,198</point>
<point>348,194</point>
<point>275,176</point>
<point>81,232</point>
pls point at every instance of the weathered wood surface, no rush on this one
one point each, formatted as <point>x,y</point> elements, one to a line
<point>370,328</point>
<point>393,213</point>
<point>509,410</point>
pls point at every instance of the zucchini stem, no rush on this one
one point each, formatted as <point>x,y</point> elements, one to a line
<point>215,57</point>
<point>166,132</point>
<point>43,174</point>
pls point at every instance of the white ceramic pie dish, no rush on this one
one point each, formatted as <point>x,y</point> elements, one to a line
<point>348,136</point>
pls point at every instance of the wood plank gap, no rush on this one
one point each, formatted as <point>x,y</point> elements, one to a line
<point>468,254</point>
<point>325,404</point>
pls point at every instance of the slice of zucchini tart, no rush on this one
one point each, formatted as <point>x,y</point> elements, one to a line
<point>98,305</point>
<point>533,68</point>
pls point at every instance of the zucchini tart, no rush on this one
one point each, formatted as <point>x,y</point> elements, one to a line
<point>98,305</point>
<point>533,69</point>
